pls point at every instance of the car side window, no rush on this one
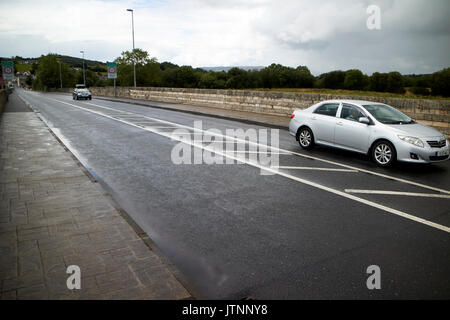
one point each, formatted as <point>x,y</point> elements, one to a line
<point>351,113</point>
<point>328,109</point>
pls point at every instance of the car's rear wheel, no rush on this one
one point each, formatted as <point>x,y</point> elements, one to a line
<point>306,138</point>
<point>383,153</point>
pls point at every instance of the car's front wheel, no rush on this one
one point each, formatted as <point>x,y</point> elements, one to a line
<point>306,138</point>
<point>383,153</point>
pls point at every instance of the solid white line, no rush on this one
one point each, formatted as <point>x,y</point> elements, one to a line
<point>315,168</point>
<point>153,127</point>
<point>147,122</point>
<point>274,171</point>
<point>263,152</point>
<point>399,193</point>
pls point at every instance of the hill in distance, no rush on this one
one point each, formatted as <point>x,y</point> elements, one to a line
<point>246,68</point>
<point>71,61</point>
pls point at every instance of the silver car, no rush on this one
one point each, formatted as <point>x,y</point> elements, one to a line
<point>377,129</point>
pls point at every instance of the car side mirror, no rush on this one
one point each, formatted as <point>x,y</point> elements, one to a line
<point>364,120</point>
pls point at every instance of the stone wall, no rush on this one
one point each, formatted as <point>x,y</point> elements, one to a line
<point>435,113</point>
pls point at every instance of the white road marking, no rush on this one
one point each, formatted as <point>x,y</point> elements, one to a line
<point>153,127</point>
<point>147,122</point>
<point>263,152</point>
<point>316,168</point>
<point>399,193</point>
<point>274,171</point>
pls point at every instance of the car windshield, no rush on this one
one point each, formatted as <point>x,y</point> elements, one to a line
<point>387,114</point>
<point>83,90</point>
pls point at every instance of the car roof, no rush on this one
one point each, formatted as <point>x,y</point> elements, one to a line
<point>358,102</point>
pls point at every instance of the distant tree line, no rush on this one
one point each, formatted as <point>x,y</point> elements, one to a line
<point>49,68</point>
<point>149,72</point>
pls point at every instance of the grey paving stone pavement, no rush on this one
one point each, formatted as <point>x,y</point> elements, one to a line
<point>52,215</point>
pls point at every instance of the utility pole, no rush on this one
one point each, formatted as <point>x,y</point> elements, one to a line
<point>132,33</point>
<point>84,74</point>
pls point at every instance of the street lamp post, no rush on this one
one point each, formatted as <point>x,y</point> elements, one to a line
<point>132,33</point>
<point>84,74</point>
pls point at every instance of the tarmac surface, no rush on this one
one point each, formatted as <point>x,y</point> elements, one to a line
<point>309,230</point>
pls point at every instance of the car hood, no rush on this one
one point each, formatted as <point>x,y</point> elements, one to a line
<point>416,130</point>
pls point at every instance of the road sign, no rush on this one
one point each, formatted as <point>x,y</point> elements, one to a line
<point>112,70</point>
<point>8,70</point>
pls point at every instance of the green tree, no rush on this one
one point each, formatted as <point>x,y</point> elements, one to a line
<point>139,56</point>
<point>354,80</point>
<point>303,77</point>
<point>277,76</point>
<point>48,73</point>
<point>92,78</point>
<point>441,83</point>
<point>378,82</point>
<point>395,83</point>
<point>34,67</point>
<point>182,77</point>
<point>237,79</point>
<point>221,79</point>
<point>29,80</point>
<point>207,80</point>
<point>332,80</point>
<point>149,74</point>
<point>167,65</point>
<point>147,69</point>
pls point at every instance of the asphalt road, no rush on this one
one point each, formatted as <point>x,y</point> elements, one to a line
<point>301,233</point>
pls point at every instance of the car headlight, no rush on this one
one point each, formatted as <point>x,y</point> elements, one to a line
<point>415,141</point>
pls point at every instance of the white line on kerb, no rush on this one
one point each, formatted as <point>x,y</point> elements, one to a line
<point>399,193</point>
<point>274,171</point>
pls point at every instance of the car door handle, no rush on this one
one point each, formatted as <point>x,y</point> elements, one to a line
<point>313,118</point>
<point>339,123</point>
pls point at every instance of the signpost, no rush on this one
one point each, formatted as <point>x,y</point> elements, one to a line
<point>8,70</point>
<point>112,73</point>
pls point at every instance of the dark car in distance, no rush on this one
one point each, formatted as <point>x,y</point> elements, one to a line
<point>81,93</point>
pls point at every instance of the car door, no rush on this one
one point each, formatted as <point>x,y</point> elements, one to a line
<point>323,122</point>
<point>349,133</point>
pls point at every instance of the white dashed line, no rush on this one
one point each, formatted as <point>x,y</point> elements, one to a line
<point>316,168</point>
<point>399,193</point>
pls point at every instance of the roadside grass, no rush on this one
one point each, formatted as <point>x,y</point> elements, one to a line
<point>408,94</point>
<point>23,67</point>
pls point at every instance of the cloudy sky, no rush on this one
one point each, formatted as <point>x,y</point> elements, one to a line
<point>325,35</point>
